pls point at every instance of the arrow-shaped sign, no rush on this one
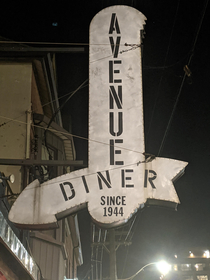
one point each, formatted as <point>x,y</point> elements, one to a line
<point>118,180</point>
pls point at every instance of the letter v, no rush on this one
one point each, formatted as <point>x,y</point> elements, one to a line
<point>115,47</point>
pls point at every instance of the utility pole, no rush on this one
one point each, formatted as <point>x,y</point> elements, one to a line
<point>108,240</point>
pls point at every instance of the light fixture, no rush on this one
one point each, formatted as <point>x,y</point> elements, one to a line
<point>10,178</point>
<point>191,254</point>
<point>206,254</point>
<point>163,267</point>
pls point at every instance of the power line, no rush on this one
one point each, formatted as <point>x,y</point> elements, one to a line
<point>56,112</point>
<point>166,56</point>
<point>73,135</point>
<point>67,94</point>
<point>52,43</point>
<point>183,80</point>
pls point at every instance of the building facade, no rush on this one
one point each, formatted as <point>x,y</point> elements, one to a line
<point>33,145</point>
<point>191,264</point>
<point>188,264</point>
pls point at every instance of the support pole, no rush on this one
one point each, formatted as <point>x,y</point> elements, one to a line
<point>112,255</point>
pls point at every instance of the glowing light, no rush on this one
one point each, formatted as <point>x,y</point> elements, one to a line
<point>26,259</point>
<point>163,267</point>
<point>206,254</point>
<point>175,256</point>
<point>175,267</point>
<point>191,254</point>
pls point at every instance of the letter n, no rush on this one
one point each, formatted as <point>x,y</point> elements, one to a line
<point>115,97</point>
<point>106,180</point>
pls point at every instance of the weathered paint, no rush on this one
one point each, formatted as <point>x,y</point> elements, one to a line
<point>117,181</point>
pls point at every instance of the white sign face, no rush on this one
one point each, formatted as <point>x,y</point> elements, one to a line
<point>117,181</point>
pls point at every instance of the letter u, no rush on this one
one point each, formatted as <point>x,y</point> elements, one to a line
<point>111,124</point>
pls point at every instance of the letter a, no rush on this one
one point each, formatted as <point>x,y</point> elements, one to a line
<point>114,26</point>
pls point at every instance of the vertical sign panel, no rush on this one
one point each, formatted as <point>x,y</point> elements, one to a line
<point>115,111</point>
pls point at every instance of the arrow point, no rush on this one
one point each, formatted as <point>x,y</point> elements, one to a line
<point>26,213</point>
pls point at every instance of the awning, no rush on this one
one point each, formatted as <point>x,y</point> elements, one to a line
<point>14,255</point>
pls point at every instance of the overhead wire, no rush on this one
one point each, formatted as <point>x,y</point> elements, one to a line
<point>48,43</point>
<point>87,79</point>
<point>182,83</point>
<point>76,136</point>
<point>127,248</point>
<point>172,114</point>
<point>11,120</point>
<point>53,117</point>
<point>183,79</point>
<point>164,67</point>
<point>176,101</point>
<point>54,100</point>
<point>88,139</point>
<point>160,82</point>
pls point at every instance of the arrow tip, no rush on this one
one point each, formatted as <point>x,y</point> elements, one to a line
<point>26,212</point>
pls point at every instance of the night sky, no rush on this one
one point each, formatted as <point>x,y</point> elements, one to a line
<point>176,109</point>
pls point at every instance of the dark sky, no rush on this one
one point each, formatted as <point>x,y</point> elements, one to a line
<point>176,110</point>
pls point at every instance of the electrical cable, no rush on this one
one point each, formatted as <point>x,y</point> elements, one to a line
<point>183,80</point>
<point>51,120</point>
<point>172,114</point>
<point>134,227</point>
<point>164,67</point>
<point>75,136</point>
<point>61,97</point>
<point>127,249</point>
<point>144,66</point>
<point>147,67</point>
<point>160,82</point>
<point>52,43</point>
<point>64,103</point>
<point>11,120</point>
<point>125,261</point>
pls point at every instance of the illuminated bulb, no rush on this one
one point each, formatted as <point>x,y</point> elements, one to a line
<point>26,259</point>
<point>175,256</point>
<point>12,178</point>
<point>163,267</point>
<point>206,254</point>
<point>191,255</point>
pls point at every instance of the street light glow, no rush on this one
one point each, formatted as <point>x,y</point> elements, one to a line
<point>163,267</point>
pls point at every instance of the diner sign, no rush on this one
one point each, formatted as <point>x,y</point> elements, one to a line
<point>119,179</point>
